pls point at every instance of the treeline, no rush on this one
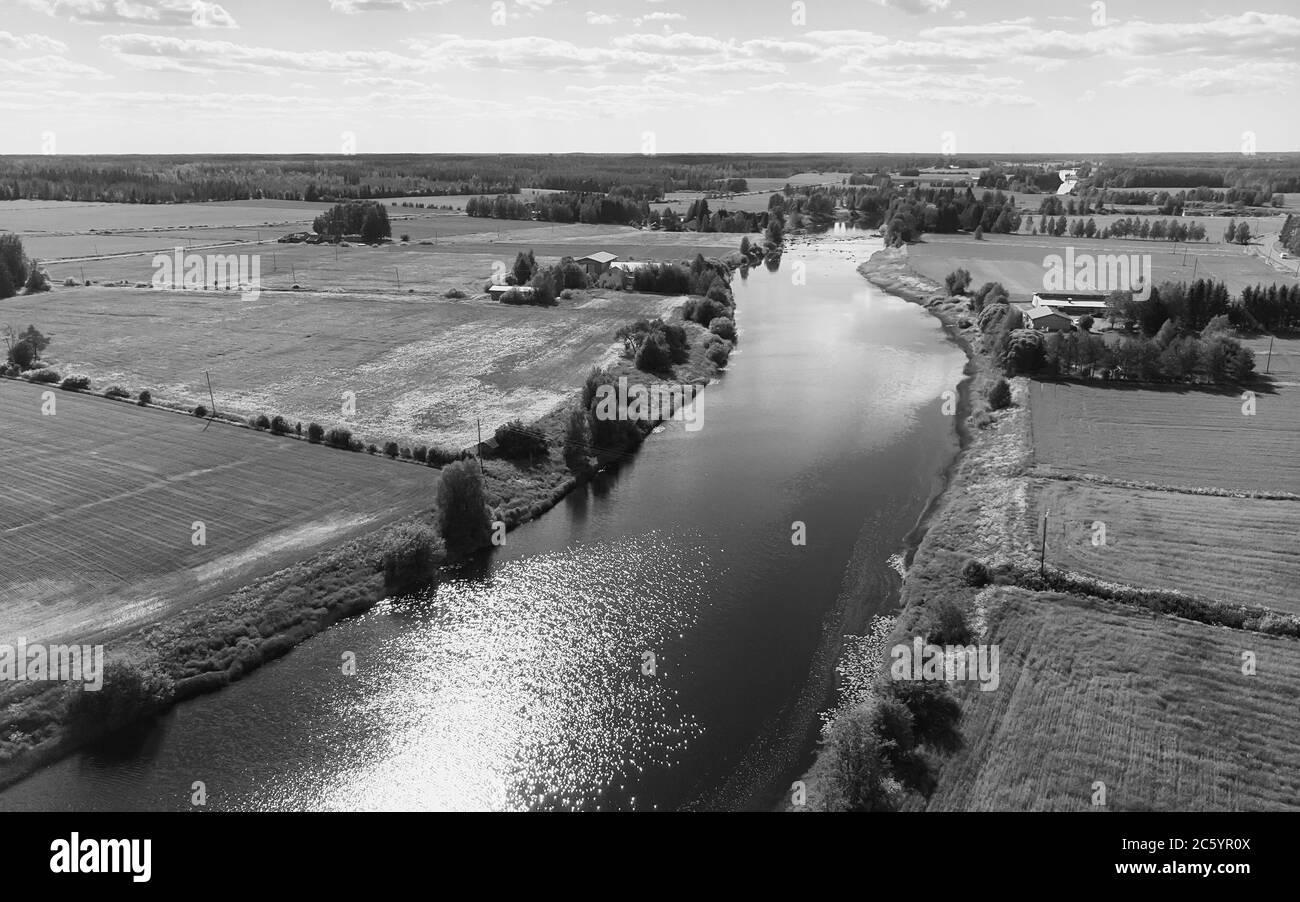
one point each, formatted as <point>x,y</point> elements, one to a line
<point>1134,227</point>
<point>1290,235</point>
<point>564,207</point>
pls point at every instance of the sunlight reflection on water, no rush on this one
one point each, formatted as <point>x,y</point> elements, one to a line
<point>525,689</point>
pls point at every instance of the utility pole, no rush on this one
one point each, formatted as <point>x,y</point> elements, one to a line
<point>1269,363</point>
<point>1042,554</point>
<point>398,273</point>
<point>479,447</point>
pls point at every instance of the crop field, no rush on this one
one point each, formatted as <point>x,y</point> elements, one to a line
<point>1242,551</point>
<point>423,369</point>
<point>1169,437</point>
<point>1017,260</point>
<point>1156,708</point>
<point>100,501</point>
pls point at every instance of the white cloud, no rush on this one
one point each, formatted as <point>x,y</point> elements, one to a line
<point>161,13</point>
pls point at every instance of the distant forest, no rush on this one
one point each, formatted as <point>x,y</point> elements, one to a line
<point>194,178</point>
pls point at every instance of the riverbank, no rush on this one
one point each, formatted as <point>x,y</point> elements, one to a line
<point>978,508</point>
<point>211,644</point>
<point>987,572</point>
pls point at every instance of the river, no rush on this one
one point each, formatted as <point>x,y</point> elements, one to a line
<point>657,641</point>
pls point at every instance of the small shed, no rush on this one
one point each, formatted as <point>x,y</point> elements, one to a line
<point>499,291</point>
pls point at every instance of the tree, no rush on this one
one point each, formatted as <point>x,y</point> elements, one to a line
<point>957,281</point>
<point>464,521</point>
<point>1230,233</point>
<point>515,441</point>
<point>33,336</point>
<point>1025,352</point>
<point>37,280</point>
<point>21,354</point>
<point>13,263</point>
<point>1243,234</point>
<point>859,779</point>
<point>523,268</point>
<point>1000,395</point>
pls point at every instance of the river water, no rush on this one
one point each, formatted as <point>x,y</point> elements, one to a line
<point>657,641</point>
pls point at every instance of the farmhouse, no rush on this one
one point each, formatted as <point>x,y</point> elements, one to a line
<point>1074,303</point>
<point>1044,319</point>
<point>596,263</point>
<point>498,291</point>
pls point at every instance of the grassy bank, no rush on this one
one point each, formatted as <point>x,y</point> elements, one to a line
<point>976,578</point>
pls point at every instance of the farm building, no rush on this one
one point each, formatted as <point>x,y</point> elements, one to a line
<point>498,291</point>
<point>627,269</point>
<point>596,263</point>
<point>1074,303</point>
<point>1044,319</point>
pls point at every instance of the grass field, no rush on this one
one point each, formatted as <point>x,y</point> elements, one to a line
<point>1156,708</point>
<point>1241,551</point>
<point>100,499</point>
<point>423,370</point>
<point>1017,261</point>
<point>1169,437</point>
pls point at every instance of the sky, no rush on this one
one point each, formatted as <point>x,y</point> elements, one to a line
<point>647,76</point>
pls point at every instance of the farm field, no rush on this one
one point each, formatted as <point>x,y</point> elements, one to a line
<point>97,515</point>
<point>1241,551</point>
<point>423,369</point>
<point>1168,437</point>
<point>1155,707</point>
<point>1017,260</point>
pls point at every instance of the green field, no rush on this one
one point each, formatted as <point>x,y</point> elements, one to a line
<point>96,520</point>
<point>1169,437</point>
<point>1235,550</point>
<point>1017,261</point>
<point>423,369</point>
<point>1156,708</point>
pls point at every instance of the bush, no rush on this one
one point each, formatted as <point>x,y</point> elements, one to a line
<point>1025,352</point>
<point>145,398</point>
<point>371,449</point>
<point>279,425</point>
<point>406,453</point>
<point>315,432</point>
<point>43,377</point>
<point>719,353</point>
<point>974,573</point>
<point>463,518</point>
<point>440,457</point>
<point>1086,323</point>
<point>411,553</point>
<point>75,383</point>
<point>69,282</point>
<point>263,422</point>
<point>723,326</point>
<point>390,449</point>
<point>128,693</point>
<point>946,624</point>
<point>420,453</point>
<point>516,441</point>
<point>1000,395</point>
<point>454,294</point>
<point>338,437</point>
<point>200,411</point>
<point>117,391</point>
